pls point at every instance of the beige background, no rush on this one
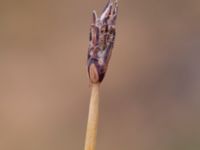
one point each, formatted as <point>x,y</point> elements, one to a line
<point>150,98</point>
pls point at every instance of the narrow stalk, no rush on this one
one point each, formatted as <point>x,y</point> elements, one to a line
<point>91,133</point>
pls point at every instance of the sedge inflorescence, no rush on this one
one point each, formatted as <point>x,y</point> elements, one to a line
<point>101,41</point>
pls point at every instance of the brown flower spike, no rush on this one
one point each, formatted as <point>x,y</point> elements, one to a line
<point>102,37</point>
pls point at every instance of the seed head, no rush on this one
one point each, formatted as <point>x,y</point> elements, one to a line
<point>101,41</point>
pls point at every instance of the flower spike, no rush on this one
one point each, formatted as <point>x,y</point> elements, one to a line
<point>102,37</point>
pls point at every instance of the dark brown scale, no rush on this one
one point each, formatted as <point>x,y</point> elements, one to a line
<point>100,69</point>
<point>97,35</point>
<point>90,36</point>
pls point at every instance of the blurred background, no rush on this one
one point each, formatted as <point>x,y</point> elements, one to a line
<point>150,97</point>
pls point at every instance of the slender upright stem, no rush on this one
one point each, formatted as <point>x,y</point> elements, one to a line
<point>91,133</point>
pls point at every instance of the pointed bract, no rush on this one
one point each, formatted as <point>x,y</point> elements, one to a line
<point>94,15</point>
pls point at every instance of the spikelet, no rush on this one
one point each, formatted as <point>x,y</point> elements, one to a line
<point>101,41</point>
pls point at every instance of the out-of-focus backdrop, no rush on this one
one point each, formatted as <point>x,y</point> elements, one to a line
<point>150,98</point>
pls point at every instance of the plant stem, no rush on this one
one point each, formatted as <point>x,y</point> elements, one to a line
<point>91,133</point>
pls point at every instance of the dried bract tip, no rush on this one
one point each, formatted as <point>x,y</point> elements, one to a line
<point>102,37</point>
<point>94,16</point>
